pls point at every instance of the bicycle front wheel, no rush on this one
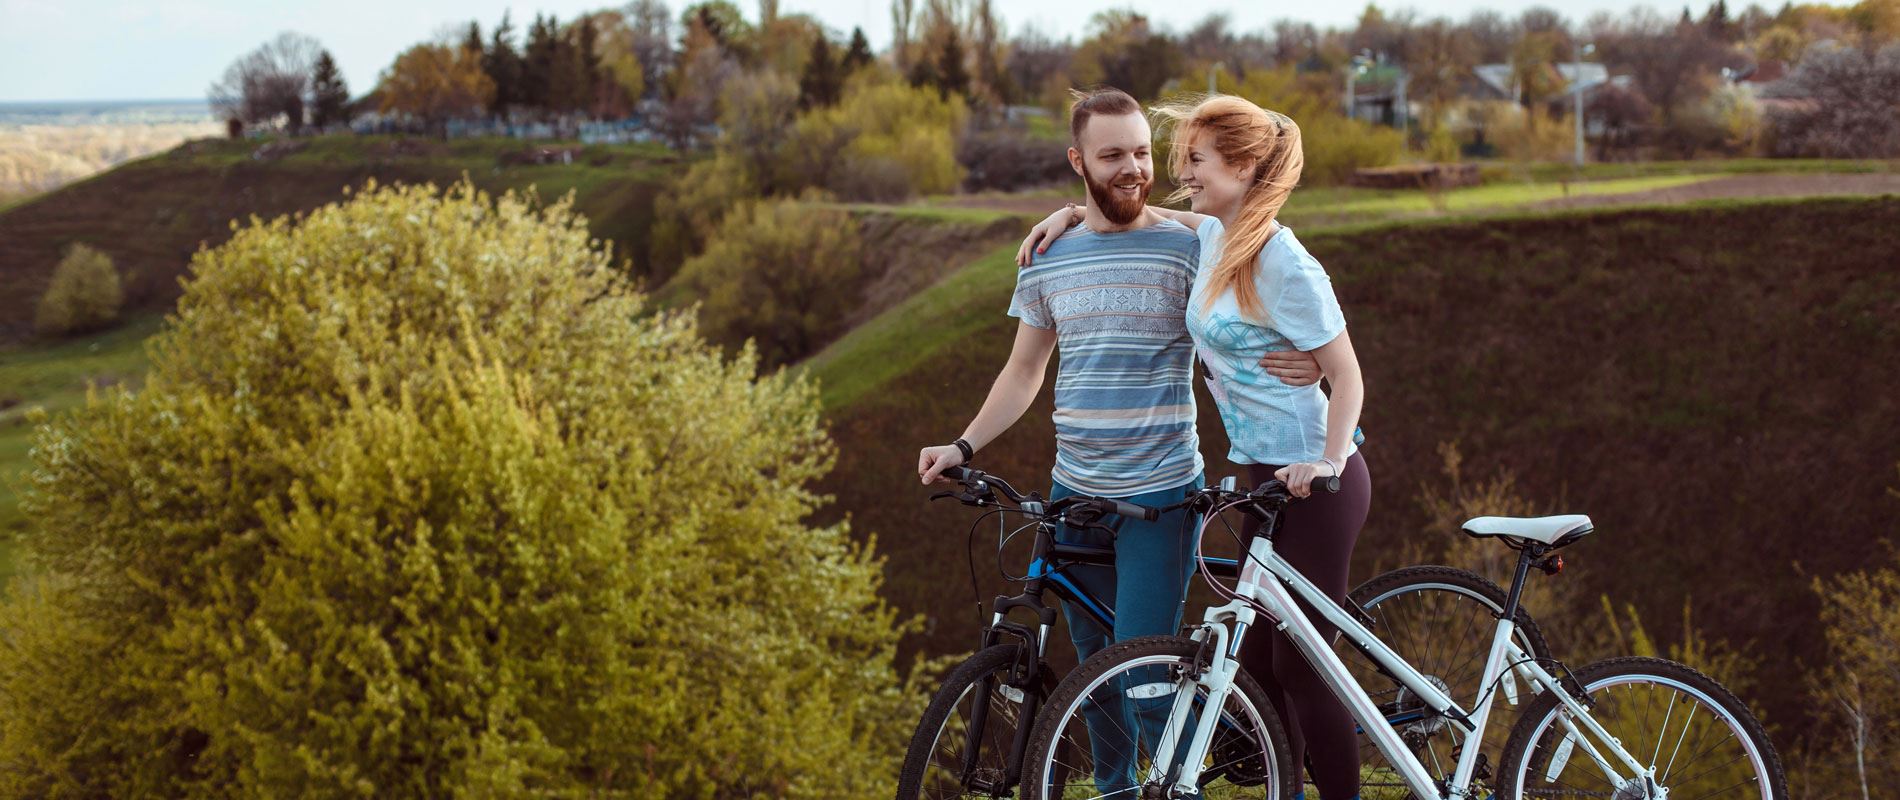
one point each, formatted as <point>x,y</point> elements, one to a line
<point>966,745</point>
<point>1097,736</point>
<point>1694,735</point>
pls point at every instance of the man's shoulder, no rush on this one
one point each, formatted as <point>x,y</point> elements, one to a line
<point>1164,239</point>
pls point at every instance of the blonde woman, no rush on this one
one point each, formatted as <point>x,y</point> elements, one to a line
<point>1257,291</point>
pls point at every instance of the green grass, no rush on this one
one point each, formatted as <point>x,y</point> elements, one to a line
<point>922,212</point>
<point>1729,166</point>
<point>55,377</point>
<point>896,341</point>
<point>1351,202</point>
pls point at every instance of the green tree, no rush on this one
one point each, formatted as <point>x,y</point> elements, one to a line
<point>754,113</point>
<point>330,93</point>
<point>84,295</point>
<point>472,40</point>
<point>538,64</point>
<point>779,273</point>
<point>859,55</point>
<point>1126,53</point>
<point>823,78</point>
<point>419,500</point>
<point>503,67</point>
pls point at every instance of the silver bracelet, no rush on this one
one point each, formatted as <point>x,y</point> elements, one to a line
<point>1338,471</point>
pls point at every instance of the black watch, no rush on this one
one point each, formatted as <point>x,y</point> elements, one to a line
<point>968,451</point>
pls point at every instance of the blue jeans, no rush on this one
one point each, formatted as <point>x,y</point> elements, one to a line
<point>1147,585</point>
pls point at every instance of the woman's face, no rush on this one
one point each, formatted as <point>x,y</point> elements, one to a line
<point>1217,186</point>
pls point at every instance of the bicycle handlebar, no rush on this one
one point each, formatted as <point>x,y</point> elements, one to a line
<point>972,478</point>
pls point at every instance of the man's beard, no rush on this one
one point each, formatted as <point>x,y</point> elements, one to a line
<point>1118,209</point>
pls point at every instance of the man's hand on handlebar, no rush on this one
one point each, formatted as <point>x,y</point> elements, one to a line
<point>932,461</point>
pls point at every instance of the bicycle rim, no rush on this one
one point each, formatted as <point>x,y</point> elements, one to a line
<point>1699,749</point>
<point>1075,753</point>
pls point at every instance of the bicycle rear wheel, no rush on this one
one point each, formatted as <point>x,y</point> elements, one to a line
<point>1698,738</point>
<point>965,745</point>
<point>1440,620</point>
<point>1133,685</point>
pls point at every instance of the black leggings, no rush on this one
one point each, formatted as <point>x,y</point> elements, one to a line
<point>1316,536</point>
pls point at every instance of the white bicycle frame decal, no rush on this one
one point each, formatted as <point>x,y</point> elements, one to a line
<point>1271,583</point>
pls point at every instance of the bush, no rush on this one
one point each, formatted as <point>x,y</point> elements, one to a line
<point>1006,160</point>
<point>694,205</point>
<point>1839,102</point>
<point>419,500</point>
<point>781,273</point>
<point>84,294</point>
<point>887,141</point>
<point>1857,694</point>
<point>1528,134</point>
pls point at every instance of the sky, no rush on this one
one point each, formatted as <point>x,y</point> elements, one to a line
<point>174,49</point>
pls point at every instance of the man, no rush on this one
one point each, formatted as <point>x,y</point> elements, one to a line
<point>1111,294</point>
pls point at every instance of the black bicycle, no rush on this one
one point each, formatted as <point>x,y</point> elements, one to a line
<point>973,735</point>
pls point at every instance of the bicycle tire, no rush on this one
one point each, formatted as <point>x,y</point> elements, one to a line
<point>1535,739</point>
<point>1040,770</point>
<point>956,686</point>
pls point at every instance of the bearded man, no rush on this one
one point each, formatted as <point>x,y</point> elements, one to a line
<point>1112,294</point>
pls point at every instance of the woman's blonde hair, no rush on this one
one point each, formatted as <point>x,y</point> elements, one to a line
<point>1241,132</point>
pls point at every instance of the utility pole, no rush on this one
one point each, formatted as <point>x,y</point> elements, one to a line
<point>1577,89</point>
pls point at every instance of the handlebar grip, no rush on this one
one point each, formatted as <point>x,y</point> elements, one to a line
<point>1133,511</point>
<point>956,473</point>
<point>1328,484</point>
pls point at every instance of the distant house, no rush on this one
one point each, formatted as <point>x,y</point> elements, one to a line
<point>1378,95</point>
<point>1499,81</point>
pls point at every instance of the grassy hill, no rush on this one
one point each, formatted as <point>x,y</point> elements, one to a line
<point>150,215</point>
<point>1714,384</point>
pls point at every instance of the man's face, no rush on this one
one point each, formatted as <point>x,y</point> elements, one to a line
<point>1113,157</point>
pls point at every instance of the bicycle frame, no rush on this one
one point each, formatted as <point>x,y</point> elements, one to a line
<point>1270,582</point>
<point>1049,563</point>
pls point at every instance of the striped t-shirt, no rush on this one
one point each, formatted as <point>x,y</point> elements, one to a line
<point>1124,393</point>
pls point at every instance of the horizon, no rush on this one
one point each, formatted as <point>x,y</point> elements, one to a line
<point>54,53</point>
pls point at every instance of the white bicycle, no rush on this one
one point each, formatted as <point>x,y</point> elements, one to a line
<point>1622,729</point>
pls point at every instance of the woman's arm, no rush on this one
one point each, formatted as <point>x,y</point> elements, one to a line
<point>1341,365</point>
<point>1188,218</point>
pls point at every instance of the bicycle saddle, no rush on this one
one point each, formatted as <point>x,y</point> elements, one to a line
<point>1554,531</point>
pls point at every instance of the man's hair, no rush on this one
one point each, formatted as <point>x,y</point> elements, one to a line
<point>1099,100</point>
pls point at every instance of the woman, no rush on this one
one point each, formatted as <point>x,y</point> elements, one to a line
<point>1257,290</point>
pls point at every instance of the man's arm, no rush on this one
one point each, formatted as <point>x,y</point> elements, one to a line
<point>1015,388</point>
<point>1292,367</point>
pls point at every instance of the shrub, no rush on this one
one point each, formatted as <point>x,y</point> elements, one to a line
<point>1528,134</point>
<point>781,273</point>
<point>890,141</point>
<point>85,294</point>
<point>694,205</point>
<point>419,500</point>
<point>1857,695</point>
<point>1839,103</point>
<point>1008,159</point>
